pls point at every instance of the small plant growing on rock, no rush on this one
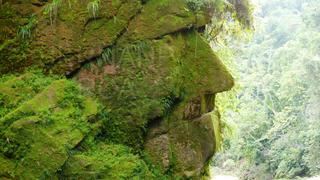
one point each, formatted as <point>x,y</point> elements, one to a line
<point>196,5</point>
<point>106,56</point>
<point>138,48</point>
<point>24,32</point>
<point>52,10</point>
<point>93,8</point>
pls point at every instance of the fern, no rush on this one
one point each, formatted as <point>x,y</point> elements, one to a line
<point>115,19</point>
<point>93,8</point>
<point>138,49</point>
<point>52,10</point>
<point>167,104</point>
<point>87,66</point>
<point>106,56</point>
<point>100,62</point>
<point>24,32</point>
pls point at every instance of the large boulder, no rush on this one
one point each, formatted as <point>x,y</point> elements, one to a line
<point>148,67</point>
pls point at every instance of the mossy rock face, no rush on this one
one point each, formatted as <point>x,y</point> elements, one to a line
<point>61,38</point>
<point>13,54</point>
<point>47,118</point>
<point>162,17</point>
<point>67,33</point>
<point>106,162</point>
<point>48,127</point>
<point>147,65</point>
<point>182,146</point>
<point>76,36</point>
<point>154,82</point>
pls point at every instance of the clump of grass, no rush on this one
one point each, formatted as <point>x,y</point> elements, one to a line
<point>93,8</point>
<point>137,50</point>
<point>196,5</point>
<point>24,32</point>
<point>105,58</point>
<point>52,10</point>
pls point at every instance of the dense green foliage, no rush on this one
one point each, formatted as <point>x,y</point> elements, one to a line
<point>275,111</point>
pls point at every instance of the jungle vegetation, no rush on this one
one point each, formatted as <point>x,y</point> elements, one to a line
<point>272,117</point>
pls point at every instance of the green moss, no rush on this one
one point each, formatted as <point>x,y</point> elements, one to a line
<point>8,22</point>
<point>14,90</point>
<point>74,32</point>
<point>171,17</point>
<point>7,43</point>
<point>15,23</point>
<point>139,92</point>
<point>13,56</point>
<point>49,119</point>
<point>216,119</point>
<point>129,98</point>
<point>37,141</point>
<point>7,11</point>
<point>201,70</point>
<point>88,36</point>
<point>104,161</point>
<point>6,168</point>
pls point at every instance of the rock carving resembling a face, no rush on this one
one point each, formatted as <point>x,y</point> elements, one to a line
<point>152,71</point>
<point>166,76</point>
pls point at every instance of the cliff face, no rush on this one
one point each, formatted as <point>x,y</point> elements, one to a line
<point>148,82</point>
